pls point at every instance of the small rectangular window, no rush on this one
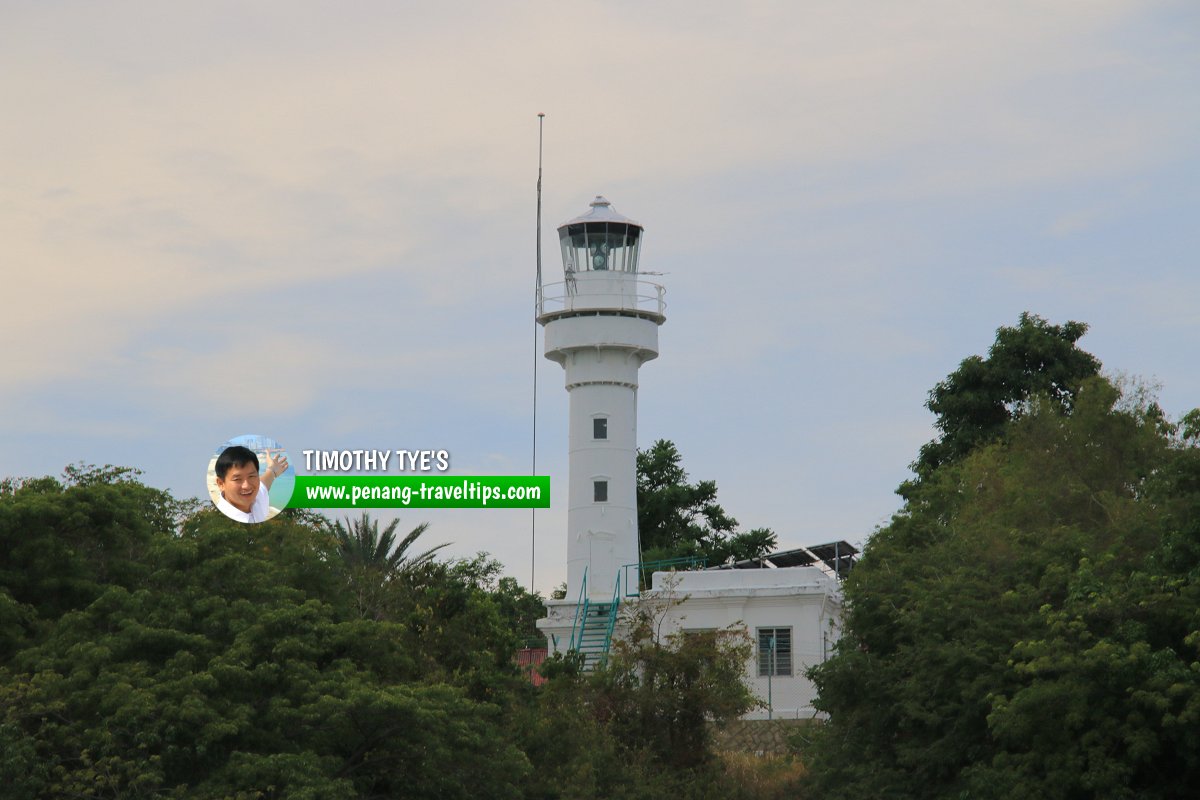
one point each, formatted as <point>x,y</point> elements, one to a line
<point>600,428</point>
<point>774,651</point>
<point>600,491</point>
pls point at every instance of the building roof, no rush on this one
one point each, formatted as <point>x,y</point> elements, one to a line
<point>837,557</point>
<point>601,211</point>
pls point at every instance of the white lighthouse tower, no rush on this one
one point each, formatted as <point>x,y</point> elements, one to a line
<point>601,325</point>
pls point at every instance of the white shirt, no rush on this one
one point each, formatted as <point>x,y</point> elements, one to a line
<point>259,512</point>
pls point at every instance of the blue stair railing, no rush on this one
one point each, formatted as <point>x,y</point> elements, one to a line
<point>612,617</point>
<point>595,624</point>
<point>581,606</point>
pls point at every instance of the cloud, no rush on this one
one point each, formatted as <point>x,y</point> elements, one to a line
<point>836,191</point>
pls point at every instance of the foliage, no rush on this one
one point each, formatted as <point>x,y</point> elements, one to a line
<point>640,726</point>
<point>150,649</point>
<point>974,403</point>
<point>519,609</point>
<point>660,692</point>
<point>1027,625</point>
<point>213,660</point>
<point>374,559</point>
<point>677,519</point>
<point>464,624</point>
<point>61,544</point>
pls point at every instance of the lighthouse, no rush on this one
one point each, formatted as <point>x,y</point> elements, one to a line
<point>601,324</point>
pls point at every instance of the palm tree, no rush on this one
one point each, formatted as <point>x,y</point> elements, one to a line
<point>374,559</point>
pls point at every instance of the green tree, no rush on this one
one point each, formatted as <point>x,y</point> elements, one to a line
<point>678,519</point>
<point>661,693</point>
<point>975,403</point>
<point>374,559</point>
<point>1026,624</point>
<point>465,626</point>
<point>189,655</point>
<point>519,609</point>
<point>640,727</point>
<point>61,542</point>
<point>232,667</point>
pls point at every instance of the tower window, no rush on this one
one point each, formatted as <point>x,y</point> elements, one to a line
<point>600,427</point>
<point>600,491</point>
<point>774,651</point>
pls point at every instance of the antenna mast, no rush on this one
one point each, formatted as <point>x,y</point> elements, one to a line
<point>538,300</point>
<point>541,118</point>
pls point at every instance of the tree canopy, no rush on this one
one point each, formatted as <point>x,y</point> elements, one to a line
<point>374,560</point>
<point>678,519</point>
<point>215,660</point>
<point>1028,625</point>
<point>647,715</point>
<point>974,404</point>
<point>152,648</point>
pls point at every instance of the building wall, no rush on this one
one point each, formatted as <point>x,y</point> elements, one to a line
<point>803,599</point>
<point>601,355</point>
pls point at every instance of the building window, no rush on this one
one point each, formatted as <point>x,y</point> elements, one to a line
<point>600,491</point>
<point>600,427</point>
<point>774,651</point>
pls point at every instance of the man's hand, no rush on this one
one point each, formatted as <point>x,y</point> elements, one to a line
<point>275,466</point>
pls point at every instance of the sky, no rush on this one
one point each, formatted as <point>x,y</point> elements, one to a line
<point>316,221</point>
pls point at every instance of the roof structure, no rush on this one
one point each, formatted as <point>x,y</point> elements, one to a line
<point>837,557</point>
<point>601,211</point>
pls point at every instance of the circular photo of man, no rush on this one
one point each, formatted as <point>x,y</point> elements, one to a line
<point>249,479</point>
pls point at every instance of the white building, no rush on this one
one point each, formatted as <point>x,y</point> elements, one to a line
<point>601,324</point>
<point>791,605</point>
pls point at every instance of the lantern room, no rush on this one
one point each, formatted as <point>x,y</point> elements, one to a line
<point>600,240</point>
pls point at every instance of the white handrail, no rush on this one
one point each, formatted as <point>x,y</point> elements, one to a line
<point>565,296</point>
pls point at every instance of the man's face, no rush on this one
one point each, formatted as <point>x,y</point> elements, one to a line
<point>240,486</point>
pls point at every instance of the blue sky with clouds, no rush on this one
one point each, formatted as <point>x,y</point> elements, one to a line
<point>315,221</point>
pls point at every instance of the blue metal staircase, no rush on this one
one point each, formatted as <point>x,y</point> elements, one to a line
<point>595,634</point>
<point>592,631</point>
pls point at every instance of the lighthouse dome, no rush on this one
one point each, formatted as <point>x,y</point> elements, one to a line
<point>600,210</point>
<point>600,239</point>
